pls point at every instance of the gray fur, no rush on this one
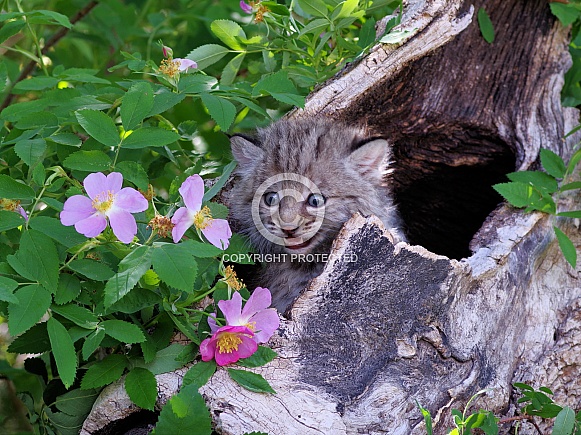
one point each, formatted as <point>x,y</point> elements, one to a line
<point>348,171</point>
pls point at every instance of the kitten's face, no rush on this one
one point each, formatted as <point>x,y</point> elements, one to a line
<point>301,185</point>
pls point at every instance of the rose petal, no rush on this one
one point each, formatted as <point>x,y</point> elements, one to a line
<point>192,191</point>
<point>212,323</point>
<point>246,7</point>
<point>259,300</point>
<point>186,64</point>
<point>208,348</point>
<point>95,184</point>
<point>182,219</point>
<point>131,200</point>
<point>114,182</point>
<point>247,347</point>
<point>231,310</point>
<point>218,233</point>
<point>22,212</point>
<point>76,209</point>
<point>123,224</point>
<point>91,226</point>
<point>267,321</point>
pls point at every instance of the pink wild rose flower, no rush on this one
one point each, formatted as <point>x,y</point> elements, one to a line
<point>185,64</point>
<point>228,344</point>
<point>246,7</point>
<point>255,315</point>
<point>107,200</point>
<point>217,231</point>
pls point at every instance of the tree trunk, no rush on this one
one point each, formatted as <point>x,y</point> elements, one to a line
<point>482,296</point>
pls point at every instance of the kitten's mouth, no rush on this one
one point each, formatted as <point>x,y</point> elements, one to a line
<point>296,243</point>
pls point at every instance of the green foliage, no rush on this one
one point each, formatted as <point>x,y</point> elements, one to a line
<point>486,26</point>
<point>537,190</point>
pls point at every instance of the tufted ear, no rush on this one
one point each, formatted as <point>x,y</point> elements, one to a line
<point>245,153</point>
<point>371,159</point>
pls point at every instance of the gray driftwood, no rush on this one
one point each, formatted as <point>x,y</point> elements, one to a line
<point>481,297</point>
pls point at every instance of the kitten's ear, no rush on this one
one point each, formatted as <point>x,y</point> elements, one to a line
<point>245,153</point>
<point>371,159</point>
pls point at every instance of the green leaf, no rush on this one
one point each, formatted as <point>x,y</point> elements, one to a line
<point>37,259</point>
<point>165,360</point>
<point>565,422</point>
<point>33,302</point>
<point>262,356</point>
<point>36,84</point>
<point>88,161</point>
<point>164,101</point>
<point>201,250</point>
<point>123,331</point>
<point>104,372</point>
<point>64,423</point>
<point>149,137</point>
<point>566,13</point>
<point>221,110</point>
<point>99,126</point>
<point>571,186</point>
<point>10,219</point>
<point>427,418</point>
<point>63,351</point>
<point>231,69</point>
<point>516,193</point>
<point>567,247</point>
<point>185,413</point>
<point>227,31</point>
<point>196,83</point>
<point>316,27</point>
<point>77,314</point>
<point>552,163</point>
<point>68,139</point>
<point>316,8</point>
<point>486,26</point>
<point>200,373</point>
<point>92,269</point>
<point>49,17</point>
<point>35,340</point>
<point>7,287</point>
<point>132,268</point>
<point>92,342</point>
<point>279,86</point>
<point>141,387</point>
<point>345,9</point>
<point>250,381</point>
<point>136,105</point>
<point>10,28</point>
<point>68,289</point>
<point>570,214</point>
<point>77,402</point>
<point>30,151</point>
<point>538,179</point>
<point>54,229</point>
<point>213,191</point>
<point>134,172</point>
<point>207,55</point>
<point>12,189</point>
<point>175,266</point>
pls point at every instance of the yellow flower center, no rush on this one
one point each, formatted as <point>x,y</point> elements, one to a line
<point>203,218</point>
<point>228,342</point>
<point>169,67</point>
<point>231,279</point>
<point>103,201</point>
<point>9,204</point>
<point>251,326</point>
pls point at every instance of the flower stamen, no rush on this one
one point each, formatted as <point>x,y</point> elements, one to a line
<point>169,67</point>
<point>232,280</point>
<point>103,201</point>
<point>228,342</point>
<point>203,218</point>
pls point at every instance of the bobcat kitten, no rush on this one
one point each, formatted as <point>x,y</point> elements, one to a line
<point>299,182</point>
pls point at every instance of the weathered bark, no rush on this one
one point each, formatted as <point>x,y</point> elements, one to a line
<point>492,301</point>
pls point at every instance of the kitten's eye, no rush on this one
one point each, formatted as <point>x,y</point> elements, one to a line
<point>316,200</point>
<point>271,199</point>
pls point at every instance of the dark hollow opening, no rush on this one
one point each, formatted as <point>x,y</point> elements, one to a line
<point>445,193</point>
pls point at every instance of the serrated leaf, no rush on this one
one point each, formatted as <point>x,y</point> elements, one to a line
<point>316,27</point>
<point>88,161</point>
<point>7,287</point>
<point>231,69</point>
<point>68,139</point>
<point>165,360</point>
<point>92,342</point>
<point>63,351</point>
<point>33,302</point>
<point>12,189</point>
<point>201,250</point>
<point>486,26</point>
<point>207,55</point>
<point>250,381</point>
<point>141,388</point>
<point>538,179</point>
<point>175,266</point>
<point>136,105</point>
<point>213,191</point>
<point>566,13</point>
<point>104,372</point>
<point>10,28</point>
<point>77,314</point>
<point>516,193</point>
<point>99,126</point>
<point>262,356</point>
<point>123,331</point>
<point>221,110</point>
<point>68,289</point>
<point>552,163</point>
<point>36,84</point>
<point>196,83</point>
<point>317,8</point>
<point>65,424</point>
<point>37,259</point>
<point>427,418</point>
<point>92,269</point>
<point>149,137</point>
<point>567,247</point>
<point>279,86</point>
<point>48,17</point>
<point>35,340</point>
<point>565,422</point>
<point>132,268</point>
<point>185,413</point>
<point>30,151</point>
<point>133,172</point>
<point>10,219</point>
<point>227,31</point>
<point>77,402</point>
<point>199,374</point>
<point>54,229</point>
<point>345,9</point>
<point>164,101</point>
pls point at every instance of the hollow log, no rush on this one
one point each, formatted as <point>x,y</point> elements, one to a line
<point>481,297</point>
